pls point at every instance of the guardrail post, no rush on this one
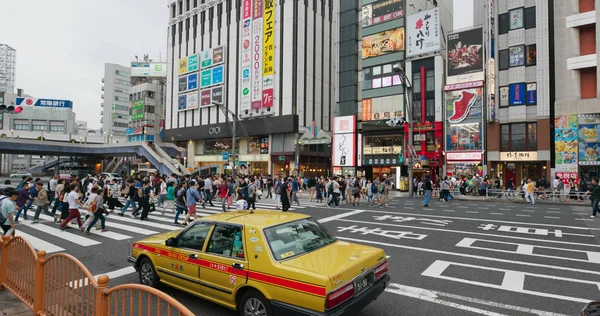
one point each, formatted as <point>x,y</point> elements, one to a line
<point>40,283</point>
<point>102,301</point>
<point>4,262</point>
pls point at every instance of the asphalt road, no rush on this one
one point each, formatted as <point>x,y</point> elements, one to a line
<point>457,258</point>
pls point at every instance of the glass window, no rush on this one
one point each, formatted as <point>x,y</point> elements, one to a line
<point>516,18</point>
<point>505,138</point>
<point>376,70</point>
<point>503,24</point>
<point>226,240</point>
<point>21,125</point>
<point>531,55</point>
<point>297,238</point>
<point>367,73</point>
<point>517,135</point>
<point>516,56</point>
<point>531,136</point>
<point>376,83</point>
<point>387,69</point>
<point>54,128</point>
<point>430,81</point>
<point>367,84</point>
<point>465,136</point>
<point>504,59</point>
<point>430,109</point>
<point>530,17</point>
<point>195,236</point>
<point>416,82</point>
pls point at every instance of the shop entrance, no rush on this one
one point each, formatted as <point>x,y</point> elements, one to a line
<point>510,172</point>
<point>532,170</point>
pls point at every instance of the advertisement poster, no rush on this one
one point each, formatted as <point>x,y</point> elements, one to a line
<point>503,96</point>
<point>192,82</point>
<point>423,32</point>
<point>344,152</point>
<point>516,56</point>
<point>516,94</point>
<point>257,47</point>
<point>382,11</point>
<point>516,18</point>
<point>246,58</point>
<point>217,55</point>
<point>181,104</point>
<point>383,43</point>
<point>183,65</point>
<point>531,93</point>
<point>268,53</point>
<point>217,94</point>
<point>206,58</point>
<point>217,75</point>
<point>193,63</point>
<point>589,140</point>
<point>192,100</point>
<point>206,78</point>
<point>565,143</point>
<point>465,56</point>
<point>258,145</point>
<point>463,104</point>
<point>183,83</point>
<point>206,97</point>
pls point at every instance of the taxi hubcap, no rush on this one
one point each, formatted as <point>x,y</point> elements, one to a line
<point>146,274</point>
<point>254,307</point>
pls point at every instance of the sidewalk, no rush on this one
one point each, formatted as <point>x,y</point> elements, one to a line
<point>11,305</point>
<point>397,194</point>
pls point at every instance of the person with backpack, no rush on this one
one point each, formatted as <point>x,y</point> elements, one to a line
<point>180,201</point>
<point>375,191</point>
<point>192,196</point>
<point>319,191</point>
<point>146,195</point>
<point>285,195</point>
<point>334,192</point>
<point>251,199</point>
<point>22,201</point>
<point>41,202</point>
<point>427,187</point>
<point>7,209</point>
<point>132,197</point>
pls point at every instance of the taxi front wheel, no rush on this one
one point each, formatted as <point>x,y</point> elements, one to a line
<point>148,274</point>
<point>253,303</point>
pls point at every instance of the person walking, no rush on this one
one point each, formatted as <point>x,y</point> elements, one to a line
<point>8,208</point>
<point>52,189</point>
<point>74,204</point>
<point>132,197</point>
<point>312,188</point>
<point>251,195</point>
<point>295,186</point>
<point>162,192</point>
<point>208,188</point>
<point>445,189</point>
<point>180,203</point>
<point>529,192</point>
<point>285,195</point>
<point>22,201</point>
<point>319,191</point>
<point>145,197</point>
<point>41,202</point>
<point>375,190</point>
<point>170,200</point>
<point>269,187</point>
<point>594,193</point>
<point>192,197</point>
<point>335,193</point>
<point>224,194</point>
<point>428,187</point>
<point>58,197</point>
<point>277,190</point>
<point>96,208</point>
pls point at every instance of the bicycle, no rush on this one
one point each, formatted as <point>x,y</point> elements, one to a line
<point>498,194</point>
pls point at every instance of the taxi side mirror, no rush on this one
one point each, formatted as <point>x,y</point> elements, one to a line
<point>170,242</point>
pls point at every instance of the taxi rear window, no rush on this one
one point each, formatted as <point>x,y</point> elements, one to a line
<point>297,238</point>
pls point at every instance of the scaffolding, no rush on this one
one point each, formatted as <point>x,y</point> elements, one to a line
<point>8,68</point>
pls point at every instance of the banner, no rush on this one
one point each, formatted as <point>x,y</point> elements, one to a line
<point>465,56</point>
<point>382,11</point>
<point>463,104</point>
<point>423,32</point>
<point>565,143</point>
<point>246,56</point>
<point>589,140</point>
<point>268,53</point>
<point>257,44</point>
<point>516,94</point>
<point>383,43</point>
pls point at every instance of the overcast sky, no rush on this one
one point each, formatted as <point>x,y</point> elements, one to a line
<point>62,45</point>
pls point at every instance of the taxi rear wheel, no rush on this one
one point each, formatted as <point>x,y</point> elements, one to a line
<point>253,303</point>
<point>147,273</point>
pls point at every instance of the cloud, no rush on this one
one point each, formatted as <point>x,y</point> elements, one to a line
<point>62,45</point>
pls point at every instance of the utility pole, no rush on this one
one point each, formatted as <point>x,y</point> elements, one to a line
<point>409,94</point>
<point>234,123</point>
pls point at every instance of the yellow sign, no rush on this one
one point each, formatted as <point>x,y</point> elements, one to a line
<point>269,38</point>
<point>183,65</point>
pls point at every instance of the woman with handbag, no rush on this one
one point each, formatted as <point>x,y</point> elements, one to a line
<point>96,207</point>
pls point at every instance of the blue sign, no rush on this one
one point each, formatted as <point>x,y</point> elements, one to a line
<point>225,156</point>
<point>516,94</point>
<point>217,75</point>
<point>182,104</point>
<point>532,93</point>
<point>192,81</point>
<point>51,103</point>
<point>129,131</point>
<point>246,73</point>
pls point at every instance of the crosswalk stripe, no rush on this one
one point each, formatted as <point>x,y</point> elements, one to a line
<point>76,239</point>
<point>146,223</point>
<point>39,244</point>
<point>110,235</point>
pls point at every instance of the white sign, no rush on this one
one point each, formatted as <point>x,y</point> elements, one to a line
<point>344,124</point>
<point>344,150</point>
<point>522,230</point>
<point>257,56</point>
<point>423,32</point>
<point>246,59</point>
<point>384,233</point>
<point>404,219</point>
<point>464,156</point>
<point>359,153</point>
<point>192,101</point>
<point>82,124</point>
<point>518,156</point>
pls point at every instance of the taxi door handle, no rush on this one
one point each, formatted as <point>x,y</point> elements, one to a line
<point>193,256</point>
<point>238,266</point>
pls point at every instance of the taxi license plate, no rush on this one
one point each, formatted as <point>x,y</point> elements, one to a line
<point>363,283</point>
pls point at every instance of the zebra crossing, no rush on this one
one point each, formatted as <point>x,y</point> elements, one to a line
<point>47,236</point>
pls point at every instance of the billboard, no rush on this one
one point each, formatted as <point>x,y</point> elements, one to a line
<point>137,110</point>
<point>50,103</point>
<point>531,93</point>
<point>423,33</point>
<point>182,102</point>
<point>465,56</point>
<point>257,54</point>
<point>382,11</point>
<point>383,108</point>
<point>464,104</point>
<point>268,53</point>
<point>344,141</point>
<point>205,97</point>
<point>192,100</point>
<point>516,56</point>
<point>217,75</point>
<point>565,143</point>
<point>589,140</point>
<point>183,83</point>
<point>246,56</point>
<point>383,43</point>
<point>192,81</point>
<point>516,93</point>
<point>148,69</point>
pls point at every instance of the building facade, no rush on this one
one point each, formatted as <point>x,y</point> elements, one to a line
<point>270,63</point>
<point>576,127</point>
<point>116,86</point>
<point>8,68</point>
<point>518,131</point>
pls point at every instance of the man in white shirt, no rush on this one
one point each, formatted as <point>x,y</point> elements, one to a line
<point>162,195</point>
<point>53,183</point>
<point>74,205</point>
<point>555,183</point>
<point>208,188</point>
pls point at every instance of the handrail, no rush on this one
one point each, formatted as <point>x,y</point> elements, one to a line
<point>161,296</point>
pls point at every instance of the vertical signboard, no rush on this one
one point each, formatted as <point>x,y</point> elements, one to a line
<point>344,141</point>
<point>257,45</point>
<point>423,33</point>
<point>465,56</point>
<point>565,143</point>
<point>246,58</point>
<point>589,140</point>
<point>268,53</point>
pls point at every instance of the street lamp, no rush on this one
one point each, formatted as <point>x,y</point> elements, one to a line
<point>12,133</point>
<point>410,97</point>
<point>234,123</point>
<point>42,129</point>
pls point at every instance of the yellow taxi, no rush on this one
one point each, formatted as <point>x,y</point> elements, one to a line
<point>264,263</point>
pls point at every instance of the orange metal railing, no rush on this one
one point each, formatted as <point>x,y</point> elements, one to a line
<point>61,285</point>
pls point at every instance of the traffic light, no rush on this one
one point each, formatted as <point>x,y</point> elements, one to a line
<point>10,109</point>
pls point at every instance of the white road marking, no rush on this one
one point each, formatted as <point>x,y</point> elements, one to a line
<point>584,219</point>
<point>127,219</point>
<point>340,216</point>
<point>523,215</point>
<point>448,210</point>
<point>472,212</point>
<point>109,234</point>
<point>552,217</point>
<point>475,233</point>
<point>408,207</point>
<point>504,209</point>
<point>483,208</point>
<point>434,297</point>
<point>462,206</point>
<point>112,275</point>
<point>553,212</point>
<point>496,213</point>
<point>76,239</point>
<point>39,244</point>
<point>554,208</point>
<point>513,281</point>
<point>530,211</point>
<point>525,249</point>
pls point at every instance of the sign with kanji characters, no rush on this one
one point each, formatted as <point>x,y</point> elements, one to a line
<point>66,104</point>
<point>382,11</point>
<point>518,156</point>
<point>257,54</point>
<point>268,53</point>
<point>246,56</point>
<point>423,33</point>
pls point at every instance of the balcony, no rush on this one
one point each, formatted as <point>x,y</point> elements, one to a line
<point>581,62</point>
<point>581,19</point>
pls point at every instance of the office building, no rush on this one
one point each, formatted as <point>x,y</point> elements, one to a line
<point>116,86</point>
<point>8,68</point>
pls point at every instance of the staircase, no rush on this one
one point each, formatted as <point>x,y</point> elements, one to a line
<point>174,161</point>
<point>49,164</point>
<point>163,166</point>
<point>111,165</point>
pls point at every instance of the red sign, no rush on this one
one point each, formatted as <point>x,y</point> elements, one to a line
<point>247,8</point>
<point>463,85</point>
<point>267,98</point>
<point>565,176</point>
<point>257,9</point>
<point>205,97</point>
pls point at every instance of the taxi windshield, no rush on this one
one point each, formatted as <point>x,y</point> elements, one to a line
<point>297,238</point>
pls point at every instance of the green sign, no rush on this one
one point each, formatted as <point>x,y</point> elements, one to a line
<point>245,92</point>
<point>206,56</point>
<point>281,158</point>
<point>206,78</point>
<point>137,110</point>
<point>193,63</point>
